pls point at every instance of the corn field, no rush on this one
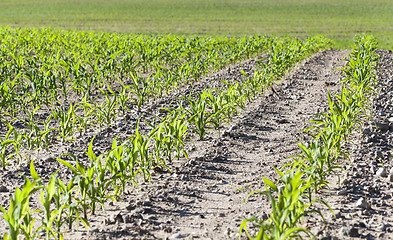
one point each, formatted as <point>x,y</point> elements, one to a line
<point>59,86</point>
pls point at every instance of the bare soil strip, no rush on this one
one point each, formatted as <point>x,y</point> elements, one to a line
<point>203,197</point>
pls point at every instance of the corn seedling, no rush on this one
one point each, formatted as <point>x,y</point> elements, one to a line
<point>18,215</point>
<point>142,89</point>
<point>107,109</point>
<point>66,120</point>
<point>5,142</point>
<point>198,114</point>
<point>140,145</point>
<point>219,107</point>
<point>124,98</point>
<point>84,179</point>
<point>287,209</point>
<point>120,162</point>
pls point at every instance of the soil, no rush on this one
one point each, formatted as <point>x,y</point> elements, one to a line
<point>204,197</point>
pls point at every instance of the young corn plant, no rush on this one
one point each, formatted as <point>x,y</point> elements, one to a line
<point>84,179</point>
<point>120,162</point>
<point>38,138</point>
<point>18,216</point>
<point>107,109</point>
<point>124,98</point>
<point>231,103</point>
<point>69,211</point>
<point>50,215</point>
<point>142,89</point>
<point>163,144</point>
<point>101,166</point>
<point>198,114</point>
<point>5,143</point>
<point>66,120</point>
<point>218,106</point>
<point>288,208</point>
<point>140,146</point>
<point>169,137</point>
<point>85,121</point>
<point>176,127</point>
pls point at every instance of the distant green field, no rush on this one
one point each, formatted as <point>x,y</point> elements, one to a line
<point>337,19</point>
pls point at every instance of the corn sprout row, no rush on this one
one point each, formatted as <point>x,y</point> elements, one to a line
<point>321,157</point>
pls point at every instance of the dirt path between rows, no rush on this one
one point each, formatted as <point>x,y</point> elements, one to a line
<point>203,197</point>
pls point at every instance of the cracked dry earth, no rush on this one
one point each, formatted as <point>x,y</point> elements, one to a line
<point>203,197</point>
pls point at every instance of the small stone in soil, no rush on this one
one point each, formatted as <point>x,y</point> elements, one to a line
<point>358,223</point>
<point>350,231</point>
<point>147,202</point>
<point>130,207</point>
<point>382,227</point>
<point>337,213</point>
<point>382,172</point>
<point>361,203</point>
<point>3,189</point>
<point>176,235</point>
<point>383,126</point>
<point>342,192</point>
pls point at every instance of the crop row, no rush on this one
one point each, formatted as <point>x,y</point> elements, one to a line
<point>106,175</point>
<point>291,197</point>
<point>46,67</point>
<point>94,79</point>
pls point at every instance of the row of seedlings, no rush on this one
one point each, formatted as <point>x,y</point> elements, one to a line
<point>322,156</point>
<point>92,79</point>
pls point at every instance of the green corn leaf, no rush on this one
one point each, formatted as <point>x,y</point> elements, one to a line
<point>33,172</point>
<point>270,184</point>
<point>67,164</point>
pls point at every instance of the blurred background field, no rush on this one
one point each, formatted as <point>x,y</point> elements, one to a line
<point>340,20</point>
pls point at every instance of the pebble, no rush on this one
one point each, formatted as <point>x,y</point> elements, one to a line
<point>115,218</point>
<point>176,235</point>
<point>151,217</point>
<point>147,202</point>
<point>3,189</point>
<point>325,237</point>
<point>382,227</point>
<point>337,213</point>
<point>383,126</point>
<point>342,192</point>
<point>361,203</point>
<point>350,231</point>
<point>382,172</point>
<point>130,207</point>
<point>50,159</point>
<point>127,218</point>
<point>358,223</point>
